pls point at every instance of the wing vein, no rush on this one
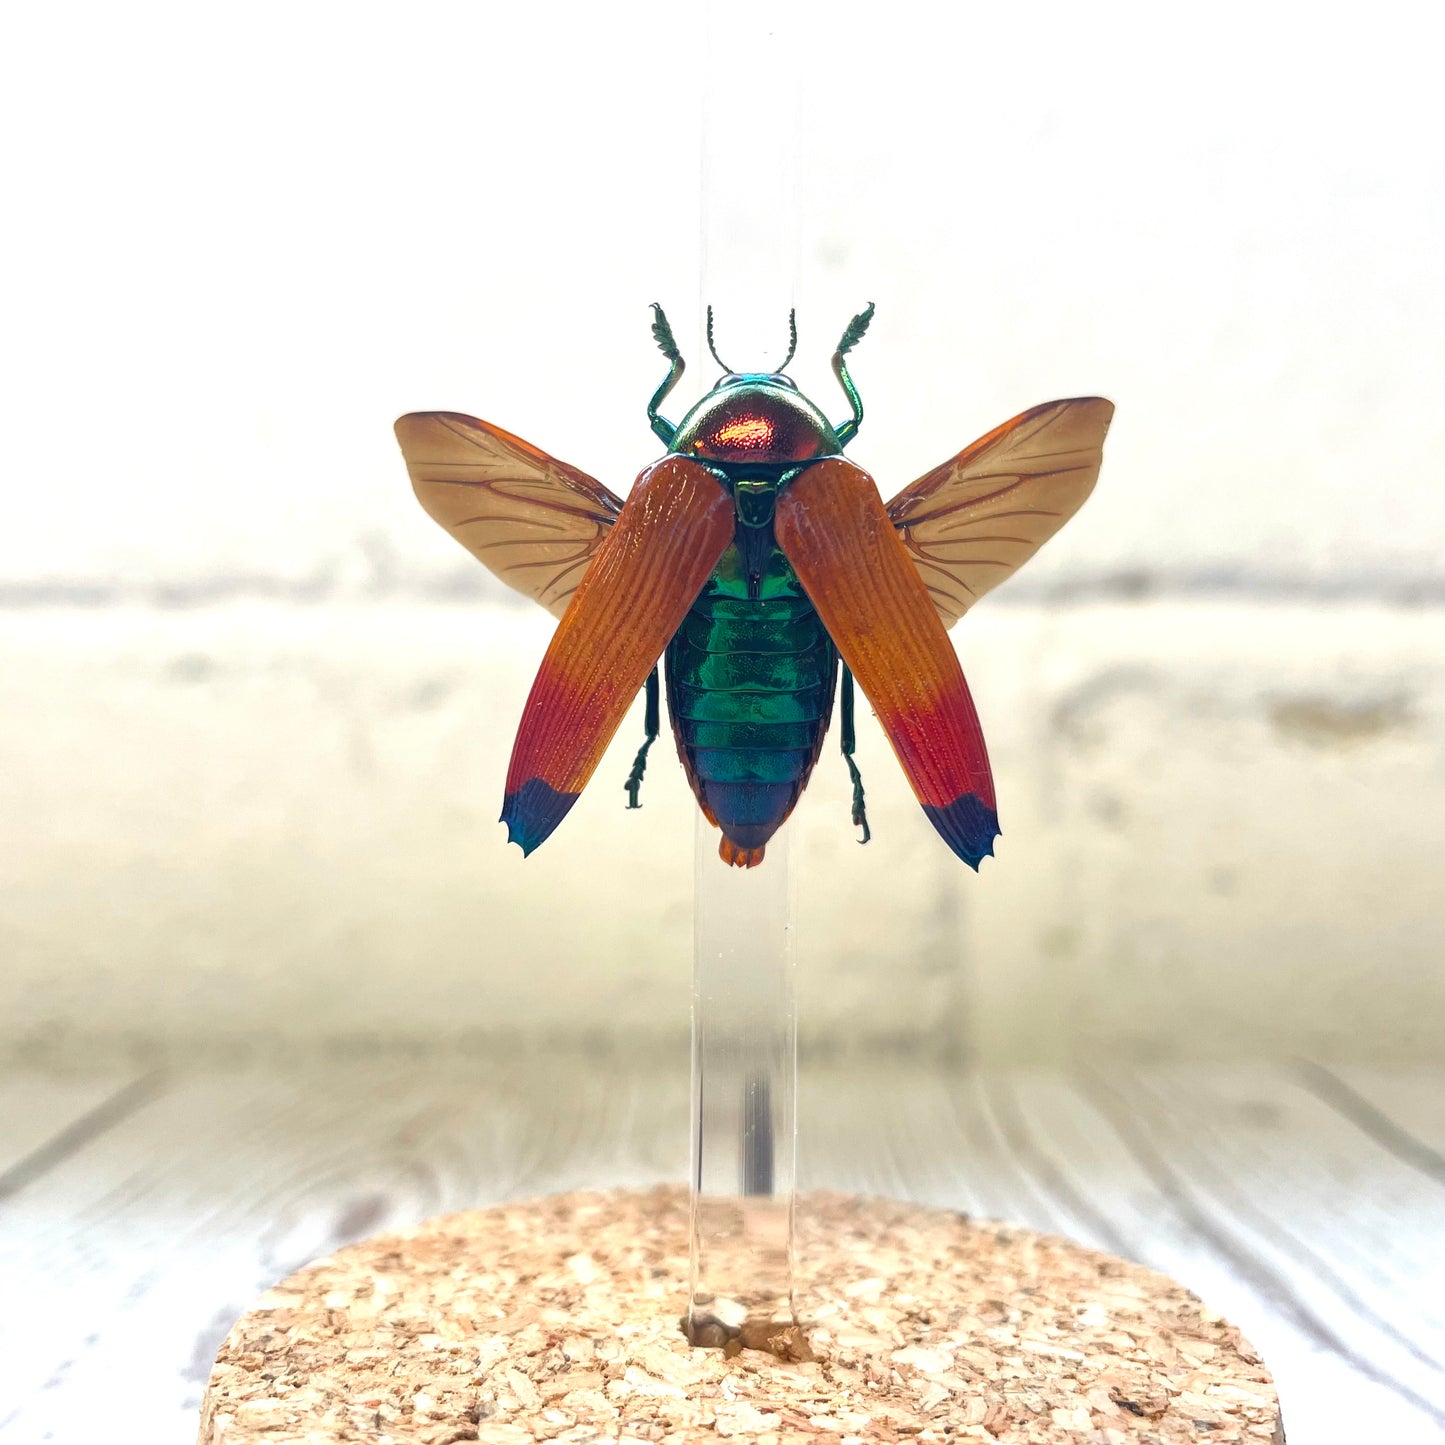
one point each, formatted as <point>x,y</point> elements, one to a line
<point>543,520</point>
<point>1035,470</point>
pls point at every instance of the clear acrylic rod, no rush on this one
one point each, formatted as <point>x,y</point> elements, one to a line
<point>749,245</point>
<point>744,1088</point>
<point>744,1022</point>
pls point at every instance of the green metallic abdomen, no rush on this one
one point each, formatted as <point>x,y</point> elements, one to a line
<point>750,688</point>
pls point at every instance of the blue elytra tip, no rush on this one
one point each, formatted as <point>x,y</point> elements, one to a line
<point>968,825</point>
<point>533,812</point>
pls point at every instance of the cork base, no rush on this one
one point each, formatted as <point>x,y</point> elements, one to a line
<point>557,1319</point>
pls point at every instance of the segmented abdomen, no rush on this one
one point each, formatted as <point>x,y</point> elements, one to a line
<point>750,689</point>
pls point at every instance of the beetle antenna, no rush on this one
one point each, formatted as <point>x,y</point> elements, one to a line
<point>792,338</point>
<point>856,330</point>
<point>713,348</point>
<point>853,333</point>
<point>662,334</point>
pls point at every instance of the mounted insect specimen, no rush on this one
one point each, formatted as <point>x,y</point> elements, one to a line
<point>755,558</point>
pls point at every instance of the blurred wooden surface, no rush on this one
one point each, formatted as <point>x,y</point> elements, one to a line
<point>140,1215</point>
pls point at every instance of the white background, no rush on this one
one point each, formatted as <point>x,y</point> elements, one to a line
<point>257,709</point>
<point>242,238</point>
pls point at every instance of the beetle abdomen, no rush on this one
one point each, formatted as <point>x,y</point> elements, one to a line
<point>750,688</point>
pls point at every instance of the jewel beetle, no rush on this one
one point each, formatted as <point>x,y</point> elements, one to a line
<point>758,563</point>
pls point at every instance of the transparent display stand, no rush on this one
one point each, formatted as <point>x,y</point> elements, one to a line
<point>744,1090</point>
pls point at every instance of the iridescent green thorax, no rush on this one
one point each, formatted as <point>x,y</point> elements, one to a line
<point>756,419</point>
<point>750,680</point>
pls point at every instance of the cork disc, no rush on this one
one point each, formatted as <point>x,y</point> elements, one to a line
<point>558,1319</point>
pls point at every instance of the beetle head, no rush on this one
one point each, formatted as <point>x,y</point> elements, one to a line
<point>756,416</point>
<point>754,378</point>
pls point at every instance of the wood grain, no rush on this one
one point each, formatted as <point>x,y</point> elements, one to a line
<point>45,1119</point>
<point>135,1250</point>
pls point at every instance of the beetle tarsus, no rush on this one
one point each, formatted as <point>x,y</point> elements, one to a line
<point>849,741</point>
<point>860,809</point>
<point>652,721</point>
<point>634,778</point>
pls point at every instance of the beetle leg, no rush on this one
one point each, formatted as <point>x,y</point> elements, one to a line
<point>651,726</point>
<point>662,334</point>
<point>852,335</point>
<point>860,811</point>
